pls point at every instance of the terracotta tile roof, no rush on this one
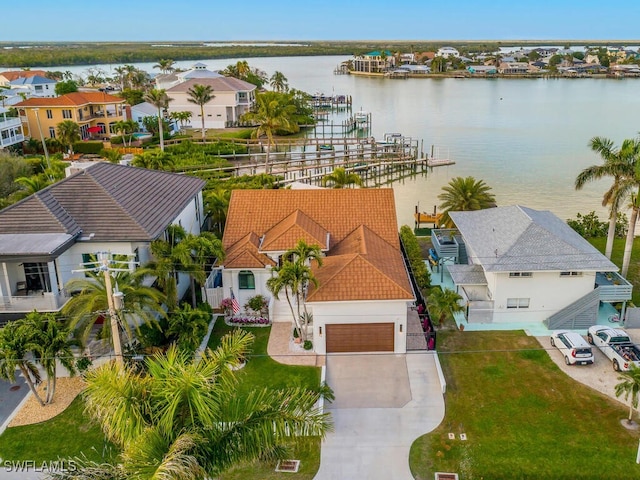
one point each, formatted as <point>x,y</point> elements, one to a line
<point>364,260</point>
<point>294,227</point>
<point>12,75</point>
<point>113,202</point>
<point>74,99</point>
<point>220,84</point>
<point>245,254</point>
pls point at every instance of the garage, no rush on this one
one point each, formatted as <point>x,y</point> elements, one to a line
<point>362,337</point>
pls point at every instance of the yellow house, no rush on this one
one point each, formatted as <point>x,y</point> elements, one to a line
<point>95,113</point>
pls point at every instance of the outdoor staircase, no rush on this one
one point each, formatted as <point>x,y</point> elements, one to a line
<point>580,314</point>
<point>463,258</point>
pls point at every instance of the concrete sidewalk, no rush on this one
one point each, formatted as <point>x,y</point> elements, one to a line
<point>379,416</point>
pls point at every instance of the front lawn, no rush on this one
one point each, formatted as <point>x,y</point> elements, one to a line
<point>523,417</point>
<point>67,435</point>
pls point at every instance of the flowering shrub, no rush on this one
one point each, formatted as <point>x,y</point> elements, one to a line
<point>226,303</point>
<point>244,320</point>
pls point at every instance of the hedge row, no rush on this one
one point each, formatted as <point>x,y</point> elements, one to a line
<point>414,253</point>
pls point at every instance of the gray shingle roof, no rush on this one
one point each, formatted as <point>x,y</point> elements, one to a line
<point>520,239</point>
<point>467,274</point>
<point>219,84</point>
<point>114,202</point>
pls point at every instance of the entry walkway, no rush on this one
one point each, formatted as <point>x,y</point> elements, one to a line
<point>383,403</point>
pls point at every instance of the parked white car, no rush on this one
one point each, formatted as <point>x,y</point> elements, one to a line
<point>574,348</point>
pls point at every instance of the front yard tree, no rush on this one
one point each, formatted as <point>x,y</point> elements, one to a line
<point>68,133</point>
<point>630,386</point>
<point>160,100</point>
<point>442,304</point>
<point>279,82</point>
<point>201,95</point>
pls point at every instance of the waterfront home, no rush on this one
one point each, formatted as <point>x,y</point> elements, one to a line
<point>35,86</point>
<point>482,69</point>
<point>360,303</point>
<point>447,52</point>
<point>165,81</point>
<point>516,266</point>
<point>103,208</point>
<point>231,99</point>
<point>515,68</point>
<point>374,62</point>
<point>10,75</point>
<point>141,110</point>
<point>10,130</point>
<point>92,111</point>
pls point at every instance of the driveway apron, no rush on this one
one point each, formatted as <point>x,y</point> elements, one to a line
<point>383,403</point>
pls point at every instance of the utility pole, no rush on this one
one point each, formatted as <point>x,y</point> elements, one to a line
<point>113,316</point>
<point>44,144</point>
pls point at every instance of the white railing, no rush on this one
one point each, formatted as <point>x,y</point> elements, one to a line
<point>46,302</point>
<point>10,122</point>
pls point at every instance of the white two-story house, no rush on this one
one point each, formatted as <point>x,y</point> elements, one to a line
<point>103,208</point>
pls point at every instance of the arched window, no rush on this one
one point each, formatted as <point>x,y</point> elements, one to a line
<point>246,280</point>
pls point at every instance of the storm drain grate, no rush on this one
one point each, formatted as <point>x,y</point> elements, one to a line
<point>290,466</point>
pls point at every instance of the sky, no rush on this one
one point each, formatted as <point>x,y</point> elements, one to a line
<point>223,20</point>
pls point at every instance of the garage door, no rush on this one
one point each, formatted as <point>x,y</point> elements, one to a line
<point>365,337</point>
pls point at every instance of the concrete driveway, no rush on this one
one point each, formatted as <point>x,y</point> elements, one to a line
<point>383,403</point>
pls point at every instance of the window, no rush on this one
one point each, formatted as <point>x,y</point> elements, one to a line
<point>520,274</point>
<point>66,113</point>
<point>49,114</point>
<point>38,88</point>
<point>246,281</point>
<point>52,132</point>
<point>570,274</point>
<point>517,303</point>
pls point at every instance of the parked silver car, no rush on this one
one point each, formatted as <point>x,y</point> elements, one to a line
<point>574,348</point>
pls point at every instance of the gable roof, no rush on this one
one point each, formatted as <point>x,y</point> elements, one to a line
<point>33,80</point>
<point>71,99</point>
<point>519,239</point>
<point>112,202</point>
<point>219,84</point>
<point>363,261</point>
<point>11,75</point>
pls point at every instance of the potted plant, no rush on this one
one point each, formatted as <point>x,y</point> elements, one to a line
<point>296,336</point>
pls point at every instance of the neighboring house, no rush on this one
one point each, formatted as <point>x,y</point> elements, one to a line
<point>9,76</point>
<point>231,99</point>
<point>87,109</point>
<point>482,69</point>
<point>35,86</point>
<point>10,130</point>
<point>374,62</point>
<point>590,58</point>
<point>106,207</point>
<point>447,52</point>
<point>515,265</point>
<point>360,303</point>
<point>513,68</point>
<point>145,109</point>
<point>415,69</point>
<point>165,81</point>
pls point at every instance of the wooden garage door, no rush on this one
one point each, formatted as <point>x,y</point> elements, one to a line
<point>365,337</point>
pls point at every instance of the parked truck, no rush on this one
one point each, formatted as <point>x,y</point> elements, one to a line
<point>616,345</point>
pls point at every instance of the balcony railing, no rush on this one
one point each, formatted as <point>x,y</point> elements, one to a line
<point>43,302</point>
<point>9,122</point>
<point>445,243</point>
<point>613,287</point>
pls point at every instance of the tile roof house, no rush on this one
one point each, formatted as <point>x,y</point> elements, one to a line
<point>360,302</point>
<point>35,86</point>
<point>11,75</point>
<point>518,266</point>
<point>105,207</point>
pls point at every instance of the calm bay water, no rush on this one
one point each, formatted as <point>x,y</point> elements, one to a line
<point>526,138</point>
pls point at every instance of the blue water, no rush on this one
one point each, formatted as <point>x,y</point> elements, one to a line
<point>526,138</point>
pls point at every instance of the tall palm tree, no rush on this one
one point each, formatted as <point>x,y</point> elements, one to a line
<point>443,303</point>
<point>464,194</point>
<point>54,345</point>
<point>630,386</point>
<point>183,419</point>
<point>618,162</point>
<point>160,100</point>
<point>201,95</point>
<point>271,115</point>
<point>205,249</point>
<point>165,65</point>
<point>304,254</point>
<point>182,117</point>
<point>142,304</point>
<point>339,178</point>
<point>216,206</point>
<point>68,133</point>
<point>279,82</point>
<point>17,342</point>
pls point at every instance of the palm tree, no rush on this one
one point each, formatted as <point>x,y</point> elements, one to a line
<point>142,304</point>
<point>153,160</point>
<point>618,162</point>
<point>160,100</point>
<point>630,386</point>
<point>183,418</point>
<point>182,117</point>
<point>304,254</point>
<point>279,82</point>
<point>442,304</point>
<point>17,341</point>
<point>216,206</point>
<point>270,115</point>
<point>463,195</point>
<point>165,65</point>
<point>339,178</point>
<point>54,345</point>
<point>204,248</point>
<point>188,325</point>
<point>33,184</point>
<point>201,95</point>
<point>68,133</point>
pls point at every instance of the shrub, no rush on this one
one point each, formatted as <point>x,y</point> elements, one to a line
<point>88,147</point>
<point>307,345</point>
<point>414,254</point>
<point>257,303</point>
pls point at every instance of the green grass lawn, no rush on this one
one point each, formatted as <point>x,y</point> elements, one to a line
<point>67,435</point>
<point>524,418</point>
<point>262,371</point>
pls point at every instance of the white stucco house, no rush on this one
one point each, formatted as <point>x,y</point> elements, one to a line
<point>145,109</point>
<point>361,301</point>
<point>103,208</point>
<point>515,265</point>
<point>447,52</point>
<point>10,130</point>
<point>231,99</point>
<point>35,86</point>
<point>199,70</point>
